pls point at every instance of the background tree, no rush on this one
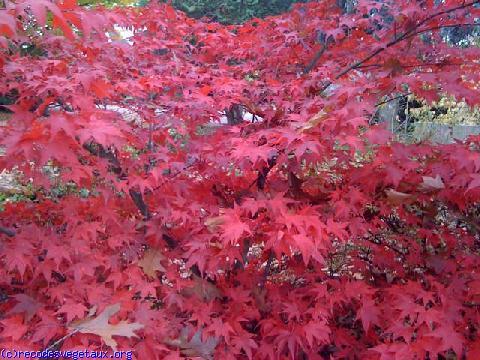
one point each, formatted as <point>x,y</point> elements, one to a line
<point>233,11</point>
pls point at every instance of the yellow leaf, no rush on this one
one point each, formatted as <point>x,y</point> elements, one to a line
<point>100,326</point>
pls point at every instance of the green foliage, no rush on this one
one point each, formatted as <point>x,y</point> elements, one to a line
<point>232,11</point>
<point>109,3</point>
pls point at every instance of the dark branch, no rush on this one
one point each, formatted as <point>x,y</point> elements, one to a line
<point>98,150</point>
<point>433,28</point>
<point>315,59</point>
<point>137,198</point>
<point>392,99</point>
<point>7,232</point>
<point>262,174</point>
<point>412,32</point>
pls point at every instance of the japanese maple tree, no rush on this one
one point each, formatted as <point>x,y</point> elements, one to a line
<point>306,232</point>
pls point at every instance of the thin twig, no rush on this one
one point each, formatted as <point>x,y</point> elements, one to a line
<point>392,99</point>
<point>175,175</point>
<point>440,64</point>
<point>438,28</point>
<point>445,12</point>
<point>55,344</point>
<point>315,59</point>
<point>409,33</point>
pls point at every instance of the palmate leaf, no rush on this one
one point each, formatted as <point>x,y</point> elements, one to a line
<point>298,230</point>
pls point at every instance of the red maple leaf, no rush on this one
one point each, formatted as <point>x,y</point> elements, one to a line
<point>233,228</point>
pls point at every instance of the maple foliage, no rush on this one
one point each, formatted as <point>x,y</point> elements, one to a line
<point>305,233</point>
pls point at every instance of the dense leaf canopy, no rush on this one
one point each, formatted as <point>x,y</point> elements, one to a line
<point>213,191</point>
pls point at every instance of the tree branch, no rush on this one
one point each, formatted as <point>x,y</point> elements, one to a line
<point>137,197</point>
<point>392,99</point>
<point>7,232</point>
<point>438,28</point>
<point>315,59</point>
<point>412,32</point>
